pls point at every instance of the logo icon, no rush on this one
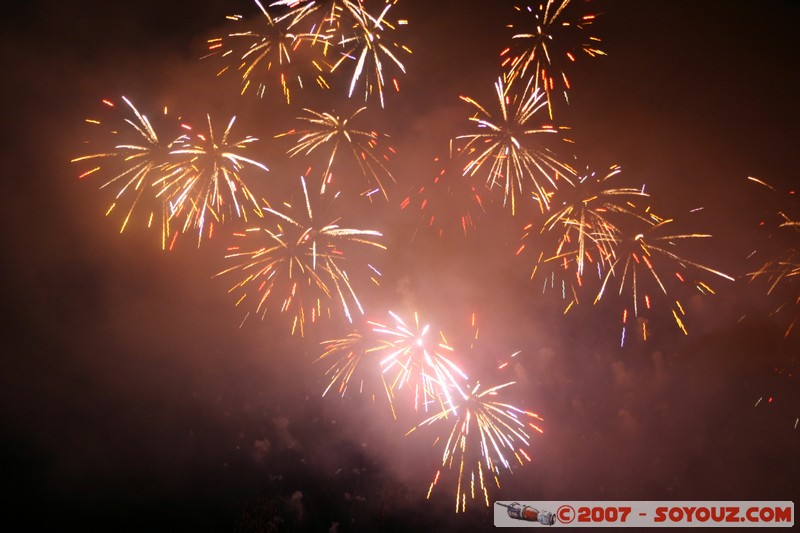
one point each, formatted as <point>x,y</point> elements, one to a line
<point>529,514</point>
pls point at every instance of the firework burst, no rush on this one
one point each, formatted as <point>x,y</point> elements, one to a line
<point>640,259</point>
<point>549,37</point>
<point>264,56</point>
<point>298,265</point>
<point>506,149</point>
<point>781,271</point>
<point>354,358</point>
<point>487,437</point>
<point>368,45</point>
<point>320,19</point>
<point>139,158</point>
<point>334,134</point>
<point>579,231</point>
<point>207,185</point>
<point>417,361</point>
<point>348,29</point>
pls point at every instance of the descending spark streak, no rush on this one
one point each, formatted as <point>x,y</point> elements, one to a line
<point>505,146</point>
<point>338,132</point>
<point>300,265</point>
<point>486,436</point>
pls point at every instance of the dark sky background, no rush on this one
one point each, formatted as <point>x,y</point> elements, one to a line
<point>130,399</point>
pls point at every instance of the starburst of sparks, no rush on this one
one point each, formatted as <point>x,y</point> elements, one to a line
<point>367,43</point>
<point>550,36</point>
<point>208,185</point>
<point>305,266</point>
<point>487,437</point>
<point>578,232</point>
<point>299,264</point>
<point>417,361</point>
<point>188,181</point>
<point>640,258</point>
<point>355,357</point>
<point>334,134</point>
<point>506,147</point>
<point>356,34</point>
<point>780,270</point>
<point>320,19</point>
<point>139,159</point>
<point>263,56</point>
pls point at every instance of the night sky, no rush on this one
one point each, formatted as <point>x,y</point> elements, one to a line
<point>131,399</point>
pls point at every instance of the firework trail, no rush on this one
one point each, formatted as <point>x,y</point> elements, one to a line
<point>416,360</point>
<point>140,158</point>
<point>263,57</point>
<point>207,185</point>
<point>549,36</point>
<point>506,149</point>
<point>299,265</point>
<point>578,232</point>
<point>487,437</point>
<point>639,258</point>
<point>338,134</point>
